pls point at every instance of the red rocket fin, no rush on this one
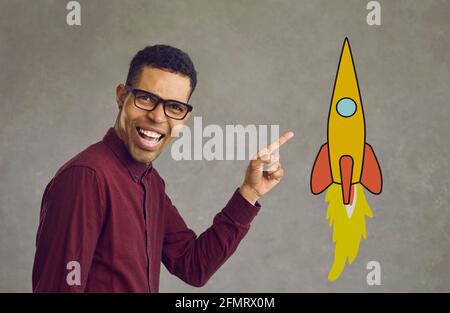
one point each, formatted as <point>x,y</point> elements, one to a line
<point>371,173</point>
<point>321,172</point>
<point>346,168</point>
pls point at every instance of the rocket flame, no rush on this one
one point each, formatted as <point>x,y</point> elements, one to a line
<point>347,231</point>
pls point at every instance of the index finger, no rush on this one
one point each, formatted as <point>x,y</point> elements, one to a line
<point>280,141</point>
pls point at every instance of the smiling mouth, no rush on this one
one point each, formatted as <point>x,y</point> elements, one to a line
<point>151,138</point>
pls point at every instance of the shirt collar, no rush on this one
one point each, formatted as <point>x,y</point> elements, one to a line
<point>135,168</point>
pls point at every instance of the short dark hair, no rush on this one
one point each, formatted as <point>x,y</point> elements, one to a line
<point>162,57</point>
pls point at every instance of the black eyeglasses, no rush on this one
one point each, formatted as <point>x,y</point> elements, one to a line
<point>148,101</point>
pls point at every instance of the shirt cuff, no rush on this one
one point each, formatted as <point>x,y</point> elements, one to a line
<point>240,210</point>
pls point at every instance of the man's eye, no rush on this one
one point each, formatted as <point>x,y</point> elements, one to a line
<point>144,98</point>
<point>176,107</point>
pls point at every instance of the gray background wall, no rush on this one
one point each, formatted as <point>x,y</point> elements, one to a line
<point>259,62</point>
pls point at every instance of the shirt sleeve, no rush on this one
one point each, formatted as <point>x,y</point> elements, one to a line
<point>70,223</point>
<point>195,259</point>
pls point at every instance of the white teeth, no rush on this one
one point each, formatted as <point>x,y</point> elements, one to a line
<point>150,133</point>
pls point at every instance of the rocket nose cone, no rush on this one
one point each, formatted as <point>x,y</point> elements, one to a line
<point>346,84</point>
<point>346,48</point>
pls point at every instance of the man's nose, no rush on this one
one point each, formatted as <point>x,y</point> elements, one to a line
<point>157,114</point>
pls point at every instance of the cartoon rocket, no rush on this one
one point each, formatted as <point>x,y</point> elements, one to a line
<point>345,163</point>
<point>346,159</point>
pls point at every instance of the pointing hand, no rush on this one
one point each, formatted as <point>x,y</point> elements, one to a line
<point>257,181</point>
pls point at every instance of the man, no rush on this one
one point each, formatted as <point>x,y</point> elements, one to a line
<point>106,222</point>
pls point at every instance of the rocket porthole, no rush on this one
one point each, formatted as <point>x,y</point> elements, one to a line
<point>346,107</point>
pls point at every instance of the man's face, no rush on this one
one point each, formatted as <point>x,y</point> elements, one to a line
<point>131,119</point>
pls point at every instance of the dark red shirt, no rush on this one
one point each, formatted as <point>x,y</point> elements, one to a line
<point>111,214</point>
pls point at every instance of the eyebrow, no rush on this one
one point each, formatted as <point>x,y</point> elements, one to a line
<point>160,96</point>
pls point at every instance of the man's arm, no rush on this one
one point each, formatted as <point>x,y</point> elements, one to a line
<point>70,223</point>
<point>195,260</point>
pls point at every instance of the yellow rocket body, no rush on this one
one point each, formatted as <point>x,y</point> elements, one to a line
<point>344,165</point>
<point>346,135</point>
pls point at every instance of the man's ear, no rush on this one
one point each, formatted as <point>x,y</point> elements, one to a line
<point>121,95</point>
